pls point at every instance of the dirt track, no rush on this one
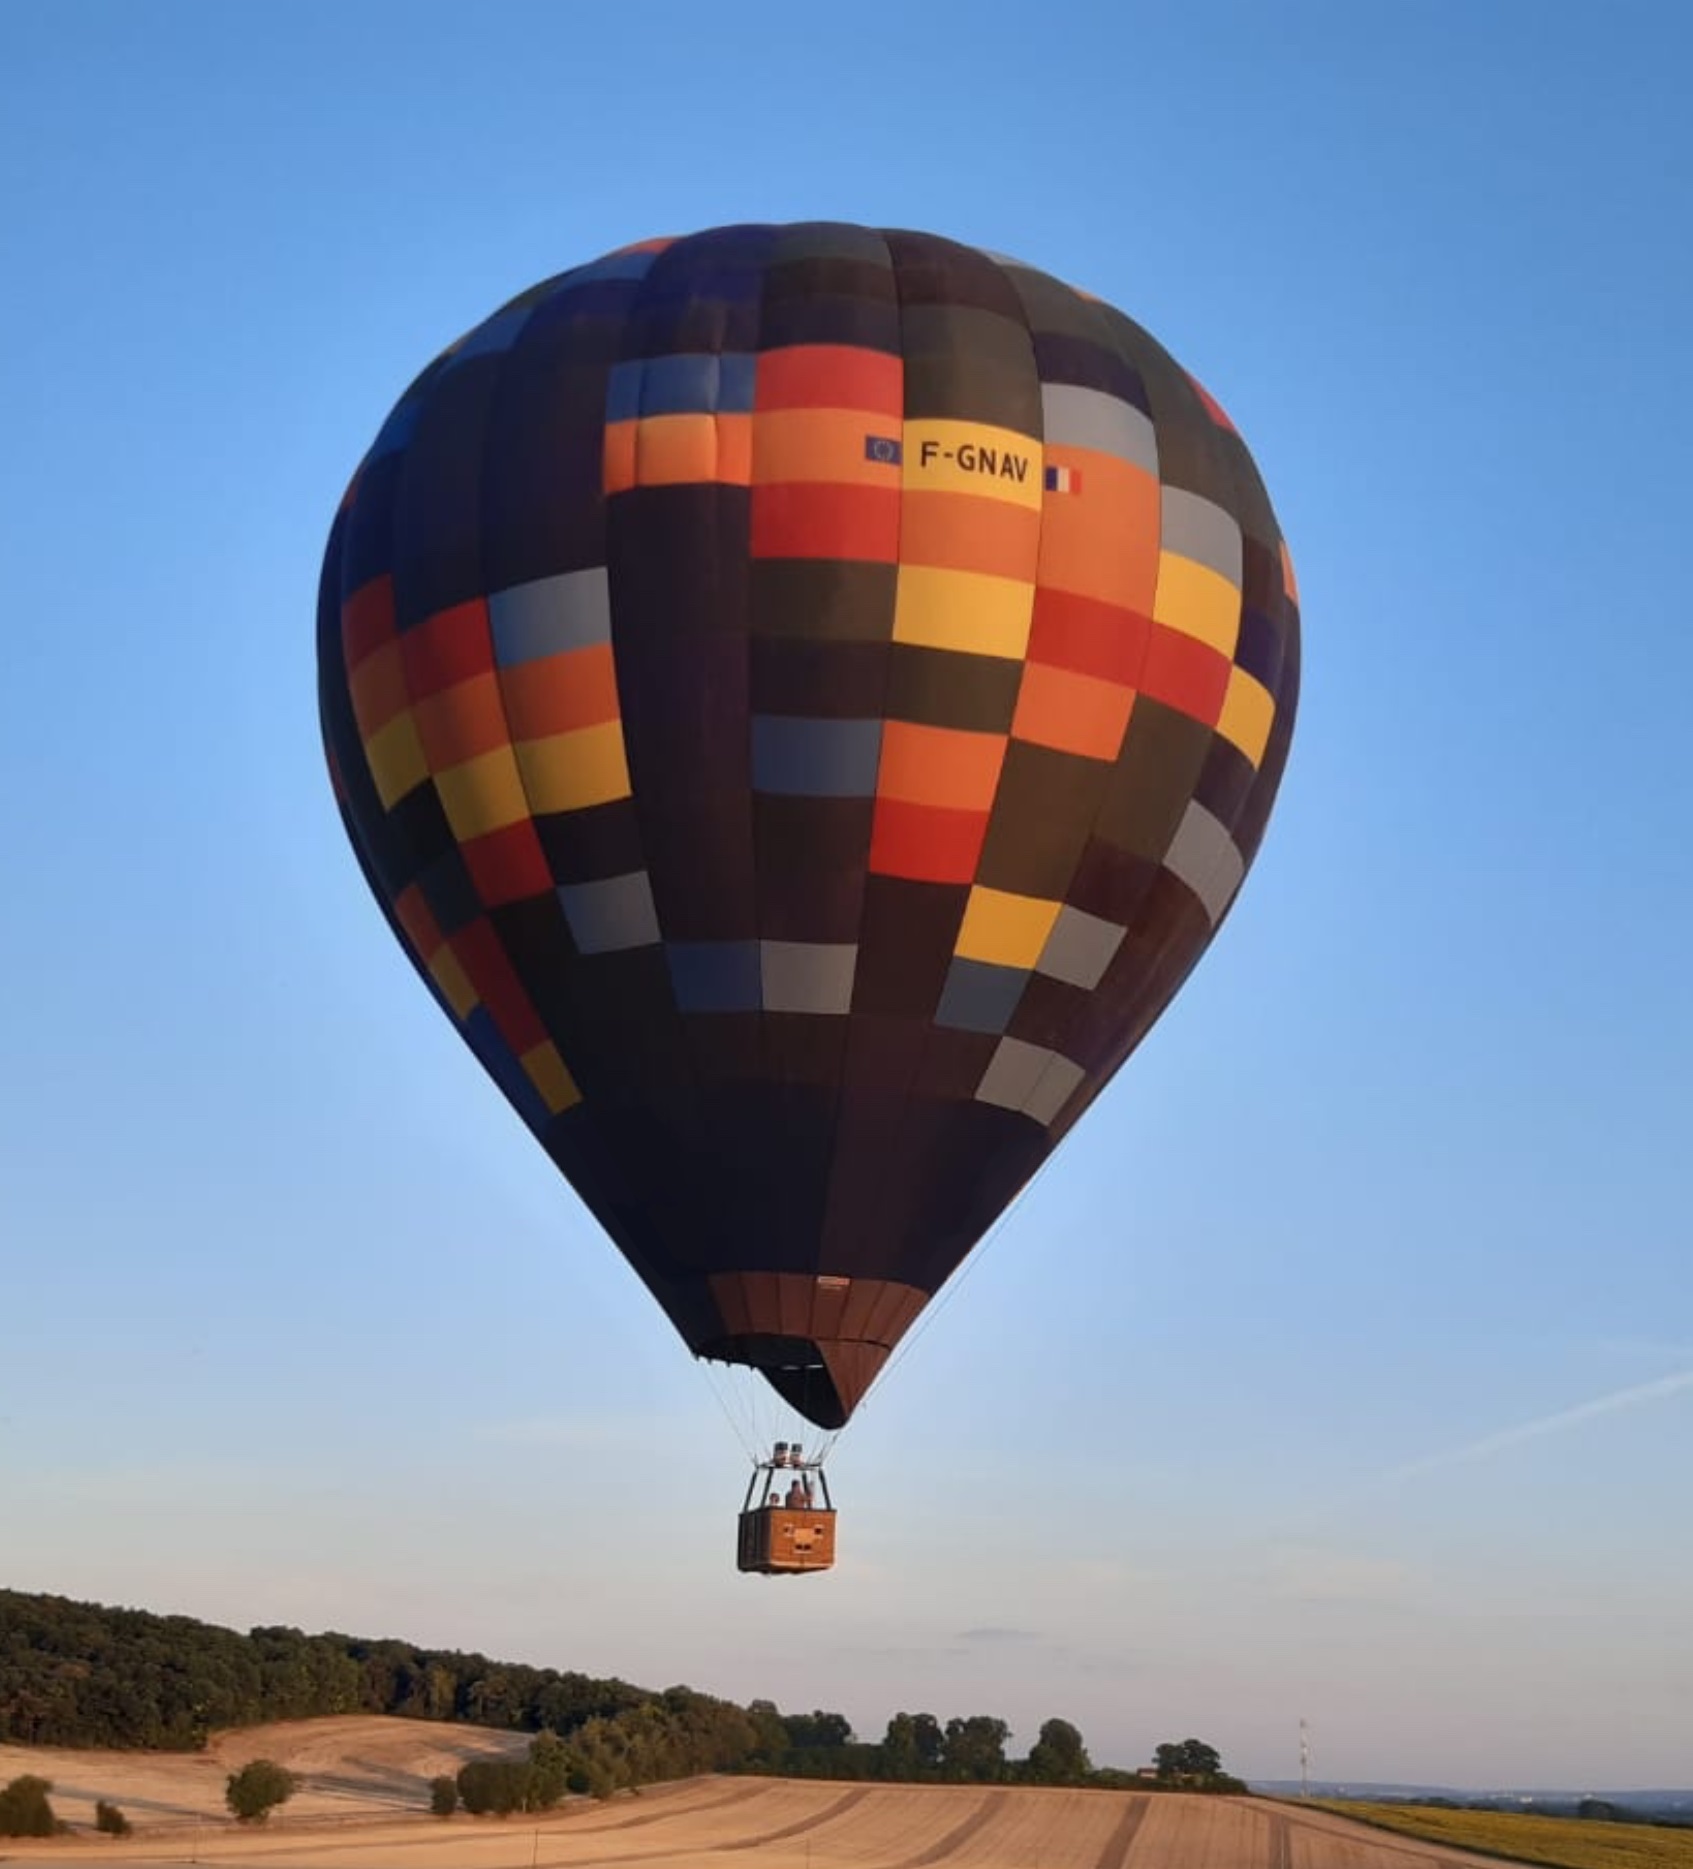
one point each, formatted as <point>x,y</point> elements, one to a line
<point>365,1785</point>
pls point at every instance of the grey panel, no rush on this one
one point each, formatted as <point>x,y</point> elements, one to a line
<point>1080,948</point>
<point>1204,856</point>
<point>1013,1073</point>
<point>1088,418</point>
<point>1030,1078</point>
<point>815,758</point>
<point>807,976</point>
<point>606,917</point>
<point>551,615</point>
<point>1196,529</point>
<point>1057,1082</point>
<point>979,997</point>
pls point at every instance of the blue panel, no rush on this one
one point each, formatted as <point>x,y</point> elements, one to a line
<point>681,385</point>
<point>613,266</point>
<point>550,616</point>
<point>715,976</point>
<point>623,390</point>
<point>498,334</point>
<point>815,758</point>
<point>979,997</point>
<point>737,379</point>
<point>397,430</point>
<point>498,1060</point>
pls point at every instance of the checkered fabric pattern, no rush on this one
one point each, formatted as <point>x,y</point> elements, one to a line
<point>805,697</point>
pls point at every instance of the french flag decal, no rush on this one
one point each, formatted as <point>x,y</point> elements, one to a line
<point>1063,480</point>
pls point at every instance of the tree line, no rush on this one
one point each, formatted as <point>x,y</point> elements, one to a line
<point>78,1674</point>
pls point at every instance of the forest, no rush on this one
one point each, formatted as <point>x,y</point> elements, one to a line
<point>82,1674</point>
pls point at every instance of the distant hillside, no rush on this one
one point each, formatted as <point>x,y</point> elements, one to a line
<point>79,1674</point>
<point>1658,1804</point>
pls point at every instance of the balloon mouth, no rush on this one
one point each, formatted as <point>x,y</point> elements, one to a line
<point>801,1371</point>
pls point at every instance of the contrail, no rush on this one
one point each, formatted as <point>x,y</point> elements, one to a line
<point>1611,1404</point>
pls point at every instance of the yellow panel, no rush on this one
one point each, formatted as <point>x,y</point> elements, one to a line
<point>1198,601</point>
<point>967,610</point>
<point>1248,710</point>
<point>395,758</point>
<point>1007,930</point>
<point>967,457</point>
<point>547,1072</point>
<point>483,794</point>
<point>566,771</point>
<point>451,978</point>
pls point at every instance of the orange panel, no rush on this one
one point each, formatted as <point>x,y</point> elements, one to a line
<point>675,450</point>
<point>1102,542</point>
<point>822,520</point>
<point>461,723</point>
<point>416,917</point>
<point>940,766</point>
<point>926,843</point>
<point>831,376</point>
<point>558,693</point>
<point>1088,636</point>
<point>817,444</point>
<point>1289,582</point>
<point>620,456</point>
<point>734,450</point>
<point>378,689</point>
<point>1073,713</point>
<point>958,533</point>
<point>367,619</point>
<point>507,865</point>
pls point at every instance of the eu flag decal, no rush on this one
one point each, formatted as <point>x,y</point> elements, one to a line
<point>884,450</point>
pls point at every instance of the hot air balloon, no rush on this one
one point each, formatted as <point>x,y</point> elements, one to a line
<point>804,697</point>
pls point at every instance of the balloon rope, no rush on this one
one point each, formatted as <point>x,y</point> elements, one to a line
<point>736,1427</point>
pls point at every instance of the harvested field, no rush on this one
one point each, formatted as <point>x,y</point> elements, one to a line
<point>365,1786</point>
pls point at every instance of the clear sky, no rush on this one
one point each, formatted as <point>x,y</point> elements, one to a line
<point>1342,1363</point>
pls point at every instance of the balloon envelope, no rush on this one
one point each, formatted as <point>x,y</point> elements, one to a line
<point>805,697</point>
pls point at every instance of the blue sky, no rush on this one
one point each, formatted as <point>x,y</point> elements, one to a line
<point>1342,1363</point>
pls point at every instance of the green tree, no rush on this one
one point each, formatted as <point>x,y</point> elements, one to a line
<point>443,1796</point>
<point>975,1748</point>
<point>110,1821</point>
<point>550,1766</point>
<point>257,1789</point>
<point>494,1787</point>
<point>770,1735</point>
<point>24,1809</point>
<point>1058,1757</point>
<point>817,1729</point>
<point>1188,1762</point>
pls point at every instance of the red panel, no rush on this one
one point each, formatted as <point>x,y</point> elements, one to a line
<point>831,376</point>
<point>448,648</point>
<point>927,843</point>
<point>1087,636</point>
<point>485,965</point>
<point>1185,674</point>
<point>507,865</point>
<point>367,619</point>
<point>825,519</point>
